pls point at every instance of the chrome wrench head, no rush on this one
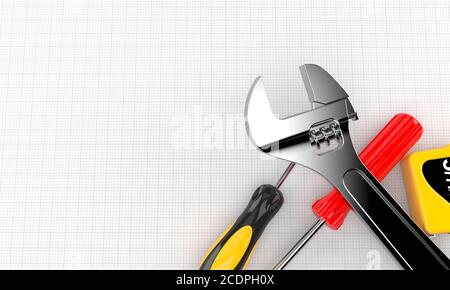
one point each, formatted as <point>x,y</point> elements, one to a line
<point>321,130</point>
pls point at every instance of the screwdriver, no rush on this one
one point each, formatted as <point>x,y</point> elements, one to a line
<point>380,156</point>
<point>234,248</point>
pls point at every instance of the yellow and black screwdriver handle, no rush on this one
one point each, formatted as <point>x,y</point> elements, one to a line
<point>234,248</point>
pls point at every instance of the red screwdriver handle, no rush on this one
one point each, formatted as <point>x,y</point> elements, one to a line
<point>380,156</point>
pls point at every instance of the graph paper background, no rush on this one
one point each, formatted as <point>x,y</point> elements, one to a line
<point>121,138</point>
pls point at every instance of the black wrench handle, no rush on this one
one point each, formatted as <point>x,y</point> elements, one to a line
<point>404,239</point>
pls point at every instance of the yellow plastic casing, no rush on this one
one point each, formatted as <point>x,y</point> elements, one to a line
<point>429,209</point>
<point>234,249</point>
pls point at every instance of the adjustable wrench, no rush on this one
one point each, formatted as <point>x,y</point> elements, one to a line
<point>319,139</point>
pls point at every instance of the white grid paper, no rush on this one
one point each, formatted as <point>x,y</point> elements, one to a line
<point>90,92</point>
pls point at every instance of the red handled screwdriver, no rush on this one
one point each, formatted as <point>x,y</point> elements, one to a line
<point>380,156</point>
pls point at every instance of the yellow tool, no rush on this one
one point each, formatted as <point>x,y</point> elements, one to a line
<point>234,248</point>
<point>427,181</point>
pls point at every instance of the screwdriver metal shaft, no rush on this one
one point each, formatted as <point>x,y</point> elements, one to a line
<point>285,175</point>
<point>309,234</point>
<point>299,245</point>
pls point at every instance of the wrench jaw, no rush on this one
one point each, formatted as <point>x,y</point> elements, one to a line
<point>306,138</point>
<point>259,118</point>
<point>322,88</point>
